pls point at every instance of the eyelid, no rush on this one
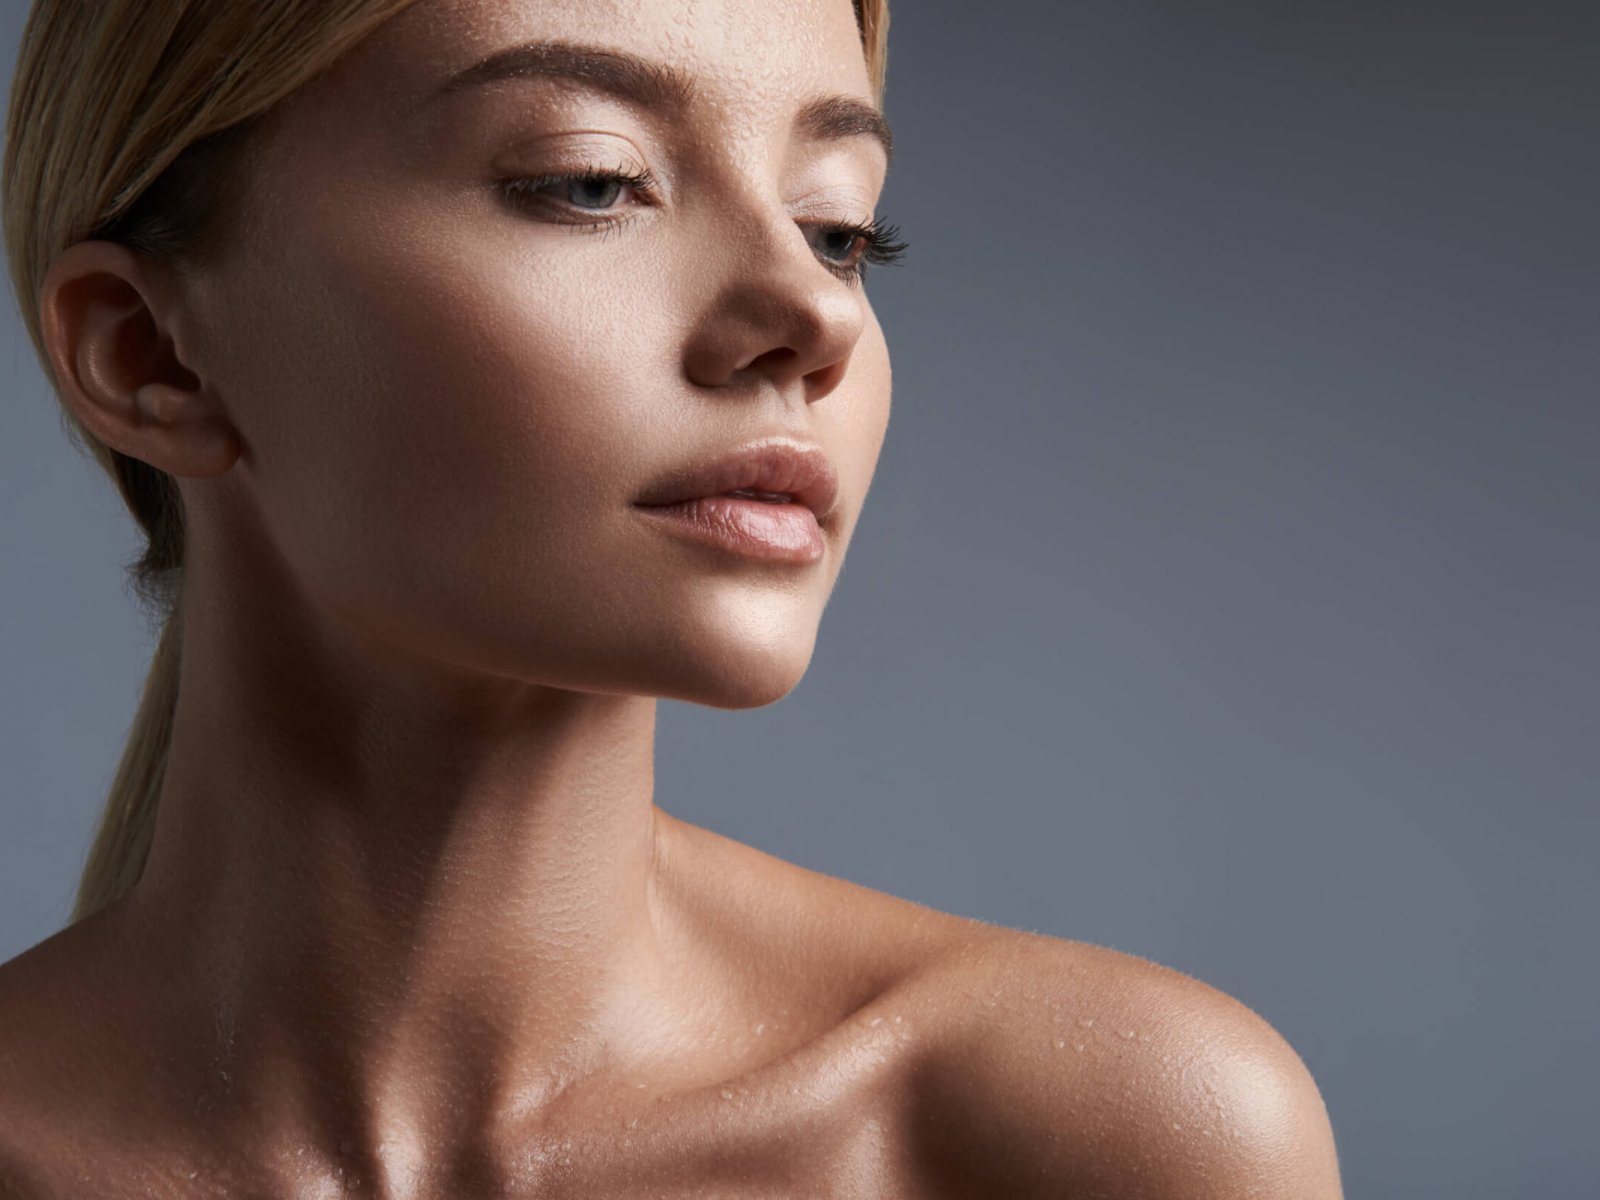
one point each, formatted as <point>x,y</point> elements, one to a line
<point>523,189</point>
<point>880,246</point>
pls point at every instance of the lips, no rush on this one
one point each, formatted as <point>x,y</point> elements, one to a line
<point>783,470</point>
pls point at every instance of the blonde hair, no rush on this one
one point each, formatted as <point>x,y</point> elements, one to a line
<point>131,121</point>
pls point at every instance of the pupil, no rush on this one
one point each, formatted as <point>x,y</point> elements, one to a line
<point>606,187</point>
<point>849,240</point>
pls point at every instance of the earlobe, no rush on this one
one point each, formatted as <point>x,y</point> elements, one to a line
<point>101,310</point>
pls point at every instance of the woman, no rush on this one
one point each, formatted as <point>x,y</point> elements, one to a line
<point>481,372</point>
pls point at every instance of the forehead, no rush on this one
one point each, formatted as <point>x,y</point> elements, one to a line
<point>742,54</point>
<point>753,65</point>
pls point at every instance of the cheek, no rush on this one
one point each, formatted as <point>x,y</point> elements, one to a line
<point>431,418</point>
<point>445,436</point>
<point>853,420</point>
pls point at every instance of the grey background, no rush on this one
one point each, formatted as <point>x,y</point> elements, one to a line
<point>1227,593</point>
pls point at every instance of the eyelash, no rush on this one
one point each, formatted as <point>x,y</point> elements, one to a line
<point>881,247</point>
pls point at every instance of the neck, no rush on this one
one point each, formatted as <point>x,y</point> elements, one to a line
<point>402,905</point>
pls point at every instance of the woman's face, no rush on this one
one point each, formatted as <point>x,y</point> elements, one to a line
<point>449,399</point>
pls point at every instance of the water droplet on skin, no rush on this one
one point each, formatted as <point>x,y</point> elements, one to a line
<point>1175,1125</point>
<point>1060,1045</point>
<point>897,1020</point>
<point>1086,1022</point>
<point>1127,1033</point>
<point>1080,1046</point>
<point>875,1021</point>
<point>726,1094</point>
<point>761,1028</point>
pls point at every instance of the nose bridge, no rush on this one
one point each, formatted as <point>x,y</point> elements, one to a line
<point>775,307</point>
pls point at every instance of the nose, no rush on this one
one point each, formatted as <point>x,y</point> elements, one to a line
<point>776,312</point>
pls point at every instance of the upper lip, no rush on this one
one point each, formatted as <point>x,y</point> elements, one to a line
<point>772,465</point>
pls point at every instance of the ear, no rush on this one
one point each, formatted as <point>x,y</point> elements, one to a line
<point>105,314</point>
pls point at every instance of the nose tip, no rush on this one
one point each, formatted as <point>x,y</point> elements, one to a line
<point>781,315</point>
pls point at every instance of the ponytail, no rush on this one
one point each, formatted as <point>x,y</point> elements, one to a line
<point>122,839</point>
<point>132,121</point>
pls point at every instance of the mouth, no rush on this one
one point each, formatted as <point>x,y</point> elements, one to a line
<point>743,523</point>
<point>779,472</point>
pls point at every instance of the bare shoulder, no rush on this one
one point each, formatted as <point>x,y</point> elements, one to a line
<point>818,933</point>
<point>38,1021</point>
<point>1064,1068</point>
<point>1016,1064</point>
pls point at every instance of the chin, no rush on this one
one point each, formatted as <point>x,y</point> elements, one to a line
<point>738,678</point>
<point>754,693</point>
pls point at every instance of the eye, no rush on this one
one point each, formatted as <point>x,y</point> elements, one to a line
<point>603,192</point>
<point>846,249</point>
<point>868,242</point>
<point>592,190</point>
<point>842,240</point>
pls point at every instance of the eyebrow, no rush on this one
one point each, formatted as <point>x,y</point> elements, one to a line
<point>654,85</point>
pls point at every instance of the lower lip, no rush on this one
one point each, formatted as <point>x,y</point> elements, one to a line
<point>753,528</point>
